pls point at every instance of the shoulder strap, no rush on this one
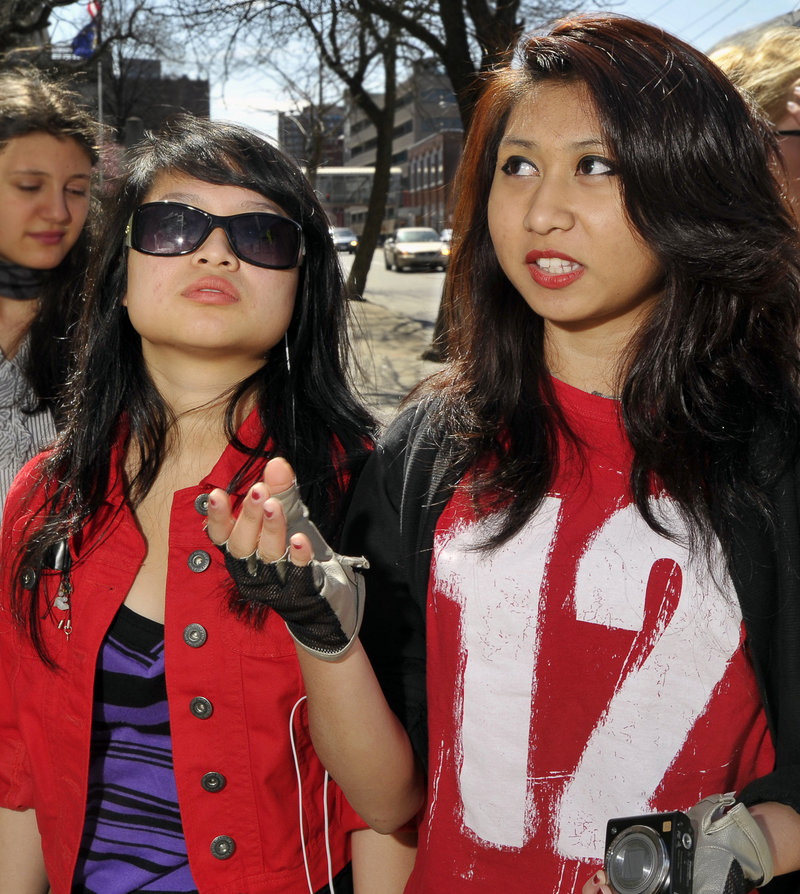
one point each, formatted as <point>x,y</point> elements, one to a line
<point>428,479</point>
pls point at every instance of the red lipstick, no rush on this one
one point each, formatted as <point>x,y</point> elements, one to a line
<point>558,270</point>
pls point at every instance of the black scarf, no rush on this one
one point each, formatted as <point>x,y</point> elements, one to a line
<point>20,283</point>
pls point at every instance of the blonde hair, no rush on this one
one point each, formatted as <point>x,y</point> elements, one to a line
<point>765,72</point>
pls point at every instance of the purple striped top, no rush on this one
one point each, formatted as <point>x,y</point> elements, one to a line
<point>133,835</point>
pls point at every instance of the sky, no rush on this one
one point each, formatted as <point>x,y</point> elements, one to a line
<point>249,99</point>
<point>702,23</point>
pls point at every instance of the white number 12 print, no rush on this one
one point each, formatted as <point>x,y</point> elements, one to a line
<point>500,602</point>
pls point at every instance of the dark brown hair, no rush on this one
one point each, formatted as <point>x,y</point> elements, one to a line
<point>715,364</point>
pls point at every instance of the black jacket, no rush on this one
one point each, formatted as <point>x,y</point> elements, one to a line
<point>402,491</point>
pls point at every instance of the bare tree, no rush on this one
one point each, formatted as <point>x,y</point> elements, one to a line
<point>314,97</point>
<point>467,36</point>
<point>311,121</point>
<point>127,40</point>
<point>22,22</point>
<point>350,42</point>
<point>136,37</point>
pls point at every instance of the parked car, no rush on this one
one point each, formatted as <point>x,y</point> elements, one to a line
<point>344,239</point>
<point>415,247</point>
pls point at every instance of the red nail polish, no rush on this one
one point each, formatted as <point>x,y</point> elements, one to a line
<point>268,511</point>
<point>255,494</point>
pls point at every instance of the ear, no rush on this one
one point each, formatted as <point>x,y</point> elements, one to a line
<point>125,300</point>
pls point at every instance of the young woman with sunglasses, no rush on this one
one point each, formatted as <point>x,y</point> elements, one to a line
<point>156,735</point>
<point>47,150</point>
<point>583,599</point>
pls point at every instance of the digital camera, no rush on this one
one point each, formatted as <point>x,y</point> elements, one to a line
<point>651,854</point>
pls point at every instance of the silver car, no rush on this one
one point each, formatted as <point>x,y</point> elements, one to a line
<point>419,248</point>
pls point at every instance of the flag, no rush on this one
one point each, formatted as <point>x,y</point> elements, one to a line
<point>85,41</point>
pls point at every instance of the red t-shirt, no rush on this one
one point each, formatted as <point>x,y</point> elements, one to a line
<point>587,669</point>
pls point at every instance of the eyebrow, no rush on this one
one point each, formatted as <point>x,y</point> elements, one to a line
<point>193,199</point>
<point>39,173</point>
<point>578,145</point>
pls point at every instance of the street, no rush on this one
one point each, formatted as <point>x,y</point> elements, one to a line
<point>390,331</point>
<point>415,294</point>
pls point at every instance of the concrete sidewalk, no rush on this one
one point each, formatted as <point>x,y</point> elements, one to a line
<point>387,347</point>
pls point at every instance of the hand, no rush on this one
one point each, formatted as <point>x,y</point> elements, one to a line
<point>597,884</point>
<point>318,593</point>
<point>731,854</point>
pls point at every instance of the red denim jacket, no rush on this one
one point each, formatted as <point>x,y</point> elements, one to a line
<point>231,692</point>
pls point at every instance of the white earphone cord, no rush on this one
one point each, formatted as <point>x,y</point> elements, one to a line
<point>300,807</point>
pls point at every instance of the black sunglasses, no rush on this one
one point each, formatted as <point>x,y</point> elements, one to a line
<point>788,133</point>
<point>172,228</point>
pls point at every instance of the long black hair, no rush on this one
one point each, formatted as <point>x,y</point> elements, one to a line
<point>306,404</point>
<point>33,102</point>
<point>713,369</point>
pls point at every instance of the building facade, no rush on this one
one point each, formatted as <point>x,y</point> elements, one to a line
<point>429,195</point>
<point>137,97</point>
<point>133,93</point>
<point>313,137</point>
<point>344,193</point>
<point>426,139</point>
<point>425,105</point>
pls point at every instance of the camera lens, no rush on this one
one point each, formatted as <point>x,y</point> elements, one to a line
<point>637,861</point>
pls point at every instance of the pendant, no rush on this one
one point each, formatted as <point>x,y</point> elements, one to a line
<point>61,561</point>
